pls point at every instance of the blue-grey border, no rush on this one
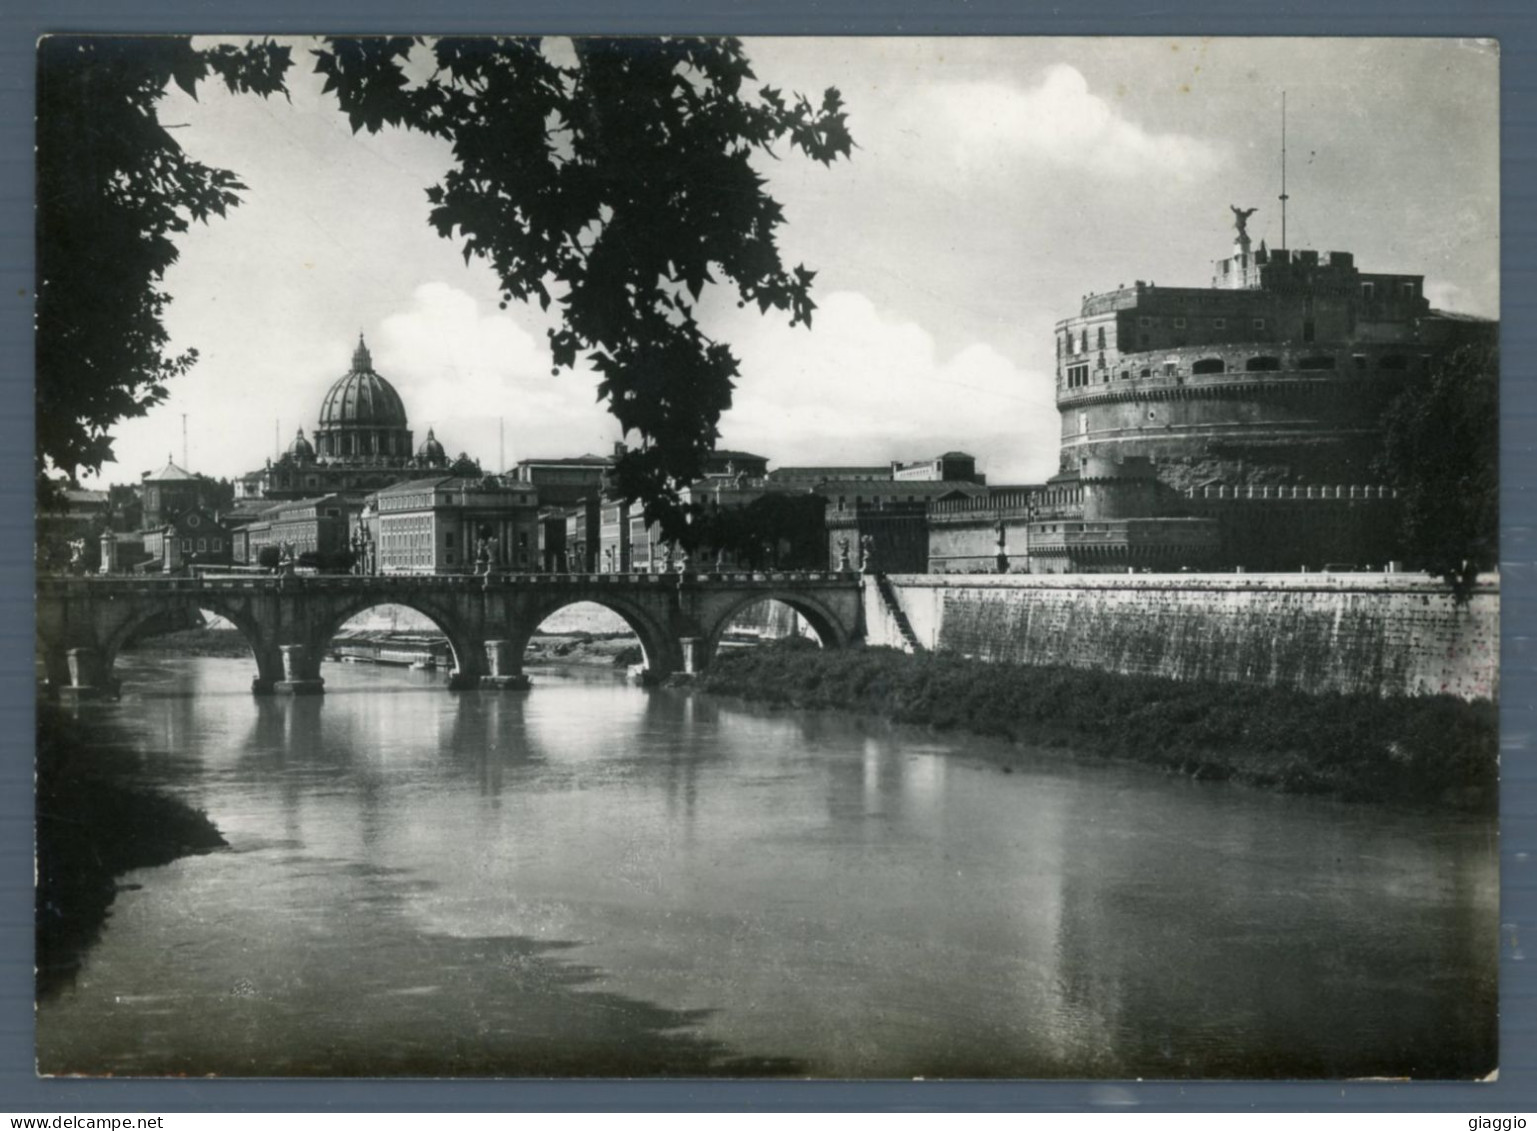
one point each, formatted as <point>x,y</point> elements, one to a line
<point>1512,22</point>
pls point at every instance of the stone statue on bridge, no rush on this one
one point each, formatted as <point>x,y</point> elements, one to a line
<point>1001,558</point>
<point>1241,221</point>
<point>484,555</point>
<point>866,553</point>
<point>844,564</point>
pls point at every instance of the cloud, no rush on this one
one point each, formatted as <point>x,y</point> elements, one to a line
<point>864,387</point>
<point>1445,295</point>
<point>1059,122</point>
<point>460,368</point>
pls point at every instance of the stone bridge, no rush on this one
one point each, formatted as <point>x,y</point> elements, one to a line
<point>289,621</point>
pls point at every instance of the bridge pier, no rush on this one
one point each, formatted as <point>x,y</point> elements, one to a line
<point>88,678</point>
<point>300,672</point>
<point>504,667</point>
<point>289,621</point>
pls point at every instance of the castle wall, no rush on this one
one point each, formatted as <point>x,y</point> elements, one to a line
<point>1387,634</point>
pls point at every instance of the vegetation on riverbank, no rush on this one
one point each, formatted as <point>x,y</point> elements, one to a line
<point>1433,751</point>
<point>93,826</point>
<point>223,642</point>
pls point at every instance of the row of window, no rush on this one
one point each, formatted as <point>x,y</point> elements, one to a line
<point>1078,376</point>
<point>1146,322</point>
<point>202,545</point>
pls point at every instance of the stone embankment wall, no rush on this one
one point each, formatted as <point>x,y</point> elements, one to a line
<point>1388,634</point>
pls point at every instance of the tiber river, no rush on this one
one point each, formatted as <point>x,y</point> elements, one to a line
<point>592,878</point>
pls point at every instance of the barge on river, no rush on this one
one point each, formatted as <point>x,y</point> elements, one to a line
<point>404,649</point>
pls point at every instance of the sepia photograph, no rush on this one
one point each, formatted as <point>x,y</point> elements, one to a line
<point>806,558</point>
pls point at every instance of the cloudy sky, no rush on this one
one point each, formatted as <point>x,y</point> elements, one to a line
<point>996,181</point>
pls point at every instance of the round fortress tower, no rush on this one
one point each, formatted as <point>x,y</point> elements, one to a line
<point>1276,373</point>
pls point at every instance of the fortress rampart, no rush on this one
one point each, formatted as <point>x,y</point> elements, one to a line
<point>1382,634</point>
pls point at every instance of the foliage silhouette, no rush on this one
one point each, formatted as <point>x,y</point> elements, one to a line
<point>614,186</point>
<point>115,188</point>
<point>1441,451</point>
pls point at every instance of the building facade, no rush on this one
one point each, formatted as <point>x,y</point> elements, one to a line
<point>168,492</point>
<point>452,524</point>
<point>316,533</point>
<point>613,554</point>
<point>563,482</point>
<point>188,537</point>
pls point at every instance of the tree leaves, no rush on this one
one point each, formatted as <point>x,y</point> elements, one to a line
<point>617,188</point>
<point>114,189</point>
<point>1441,451</point>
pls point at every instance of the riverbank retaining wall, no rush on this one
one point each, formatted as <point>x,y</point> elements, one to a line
<point>1387,634</point>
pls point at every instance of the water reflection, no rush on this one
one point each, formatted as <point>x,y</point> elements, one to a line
<point>595,879</point>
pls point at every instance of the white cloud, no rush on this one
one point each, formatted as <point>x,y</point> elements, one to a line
<point>1445,295</point>
<point>1059,122</point>
<point>459,369</point>
<point>863,387</point>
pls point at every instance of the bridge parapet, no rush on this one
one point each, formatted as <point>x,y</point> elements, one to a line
<point>69,588</point>
<point>289,620</point>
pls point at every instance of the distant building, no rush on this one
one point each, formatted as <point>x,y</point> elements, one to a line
<point>188,537</point>
<point>1276,373</point>
<point>563,481</point>
<point>613,554</point>
<point>67,534</point>
<point>1221,427</point>
<point>582,537</point>
<point>892,514</point>
<point>167,492</point>
<point>724,463</point>
<point>809,477</point>
<point>454,524</point>
<point>317,531</point>
<point>952,467</point>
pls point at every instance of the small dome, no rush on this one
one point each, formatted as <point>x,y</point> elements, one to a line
<point>362,398</point>
<point>301,448</point>
<point>431,451</point>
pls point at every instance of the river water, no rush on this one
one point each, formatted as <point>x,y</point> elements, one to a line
<point>596,879</point>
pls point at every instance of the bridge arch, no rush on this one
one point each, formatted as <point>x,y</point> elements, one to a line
<point>829,628</point>
<point>658,643</point>
<point>467,647</point>
<point>121,629</point>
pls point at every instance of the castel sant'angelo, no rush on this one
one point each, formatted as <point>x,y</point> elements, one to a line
<point>1232,425</point>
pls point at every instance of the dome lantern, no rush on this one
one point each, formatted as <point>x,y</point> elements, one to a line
<point>362,362</point>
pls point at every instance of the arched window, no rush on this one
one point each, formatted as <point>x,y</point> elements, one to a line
<point>1209,365</point>
<point>1101,337</point>
<point>1262,364</point>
